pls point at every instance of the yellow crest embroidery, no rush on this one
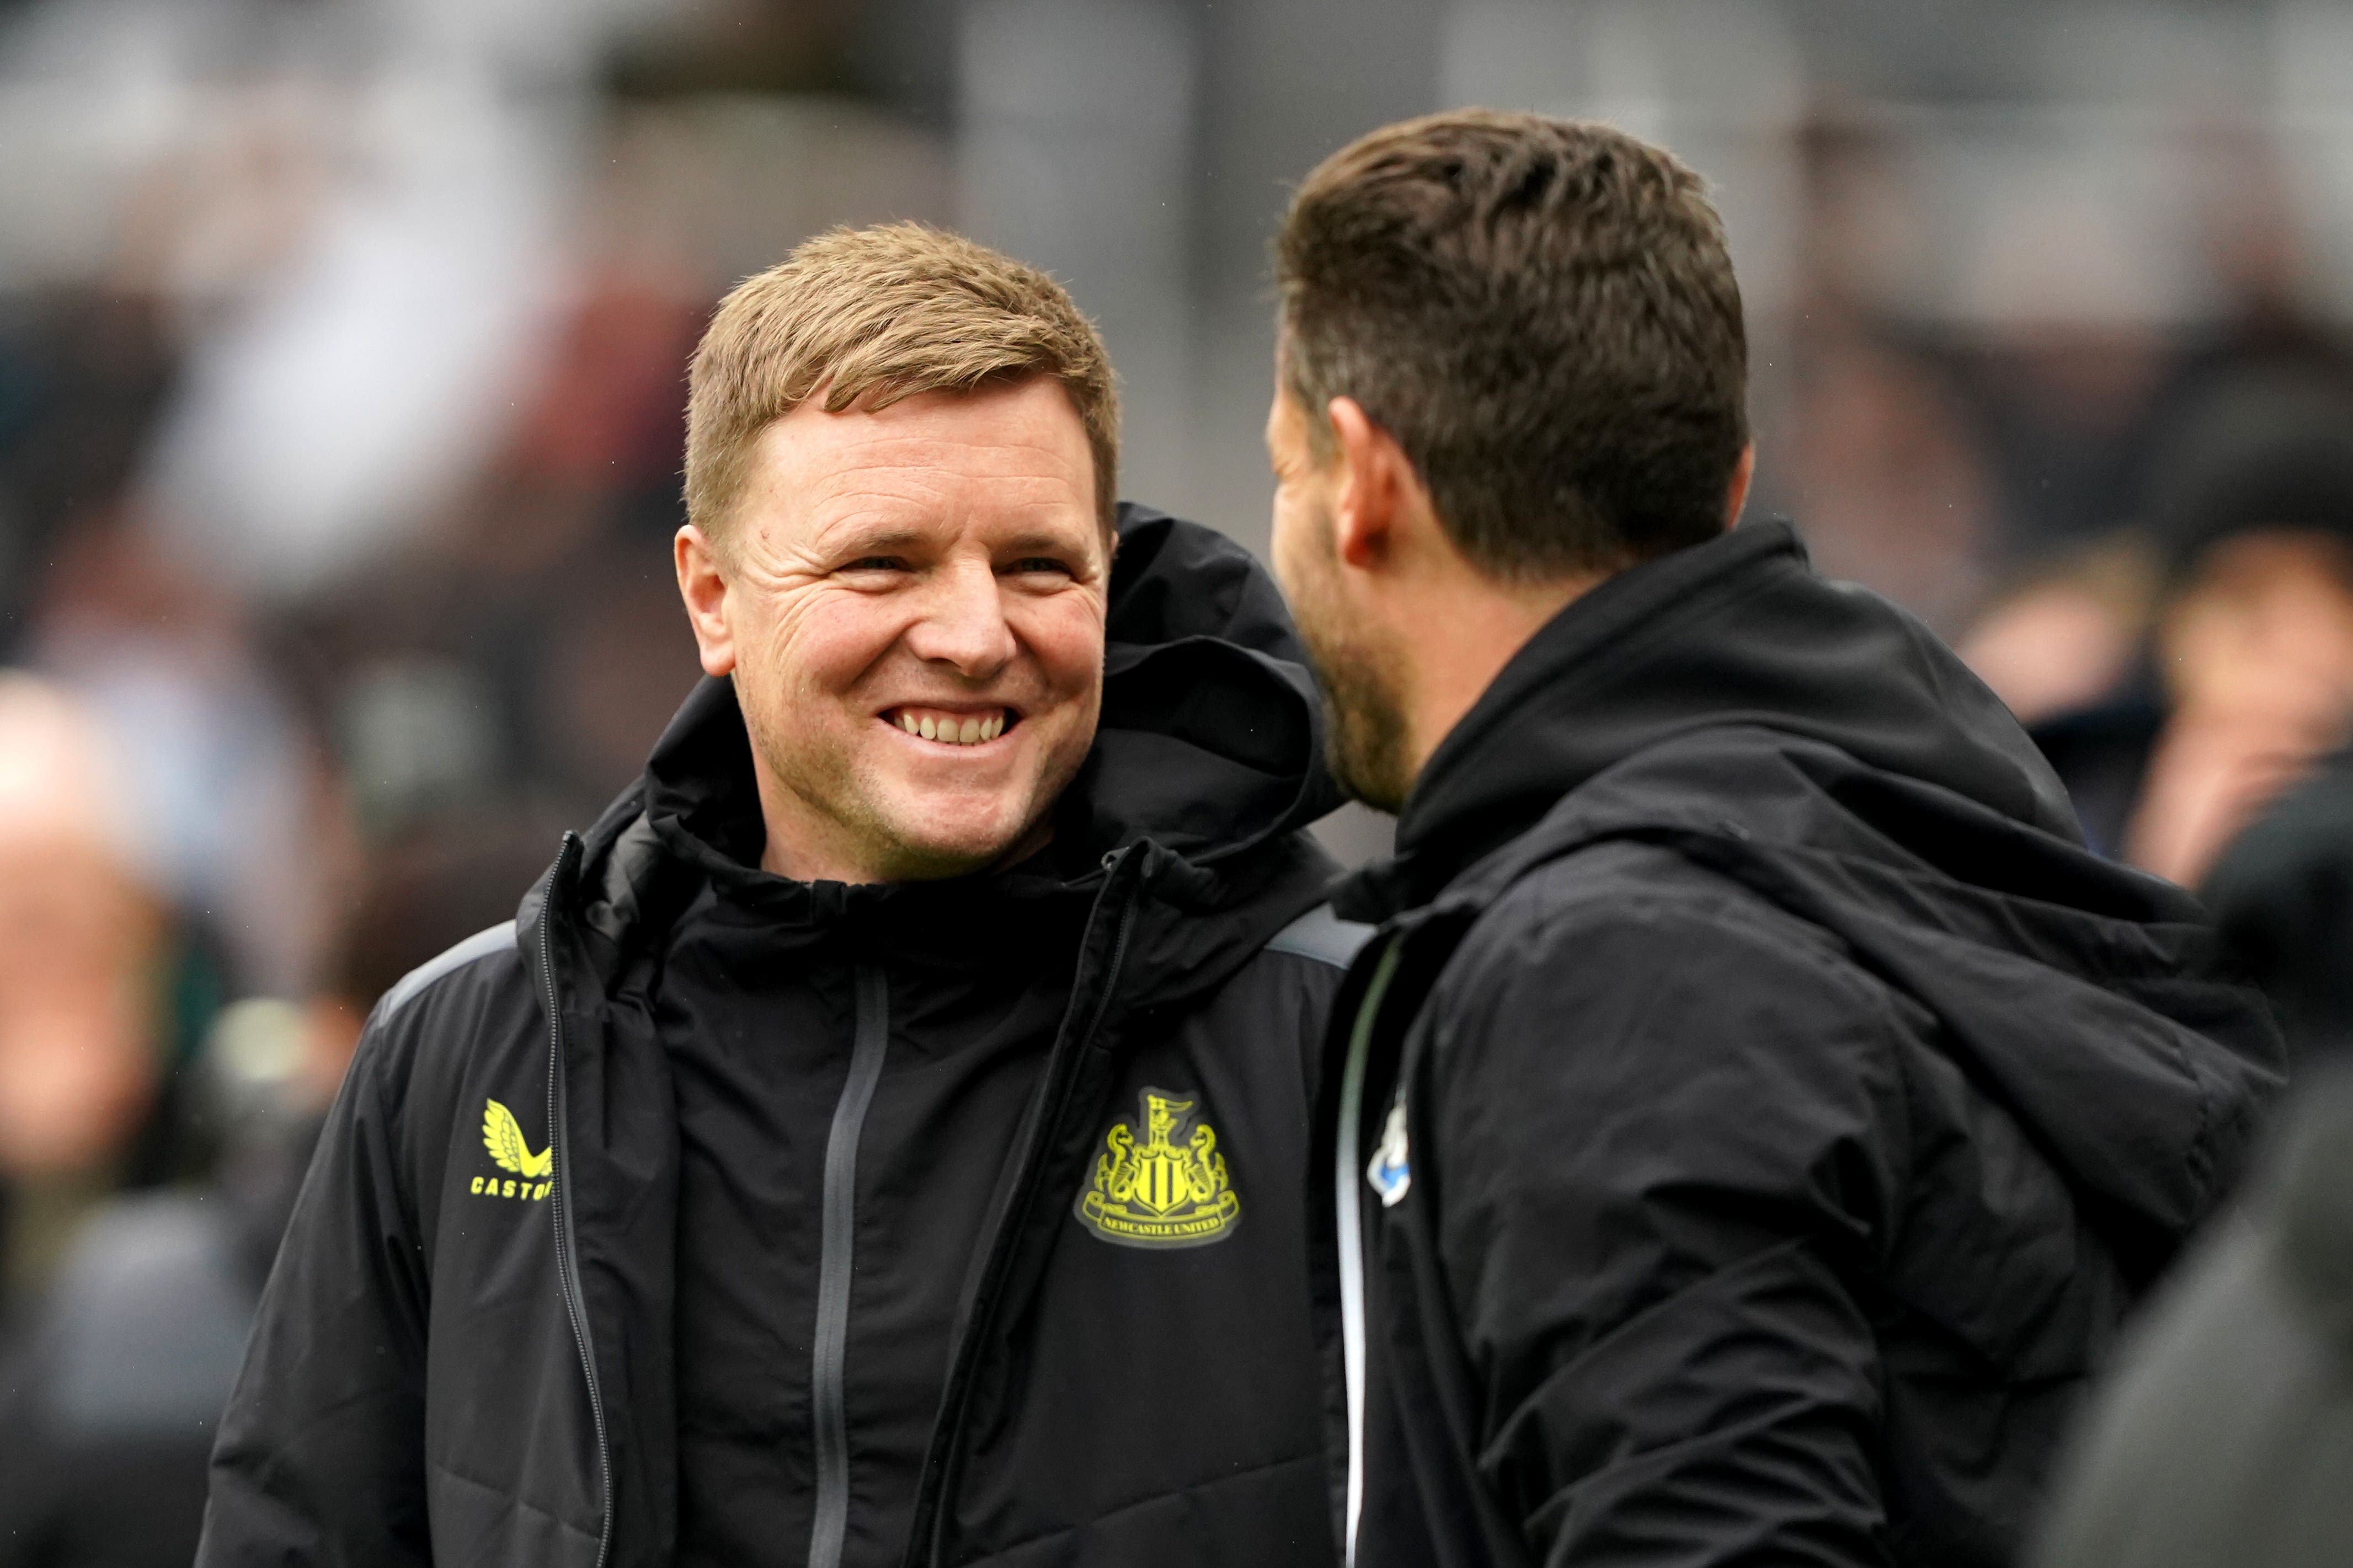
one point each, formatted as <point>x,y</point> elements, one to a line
<point>1160,1181</point>
<point>502,1136</point>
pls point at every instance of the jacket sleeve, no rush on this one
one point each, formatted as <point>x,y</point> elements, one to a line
<point>321,1453</point>
<point>1662,1140</point>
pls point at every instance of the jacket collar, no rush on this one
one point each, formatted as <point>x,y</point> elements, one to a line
<point>1738,631</point>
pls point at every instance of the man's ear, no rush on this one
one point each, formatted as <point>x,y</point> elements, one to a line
<point>1735,495</point>
<point>1375,480</point>
<point>703,583</point>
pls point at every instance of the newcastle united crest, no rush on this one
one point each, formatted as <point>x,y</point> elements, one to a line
<point>1160,1180</point>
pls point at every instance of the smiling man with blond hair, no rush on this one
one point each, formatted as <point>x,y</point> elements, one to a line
<point>879,1140</point>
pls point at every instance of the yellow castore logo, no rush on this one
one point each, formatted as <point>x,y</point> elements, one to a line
<point>502,1136</point>
<point>1167,1187</point>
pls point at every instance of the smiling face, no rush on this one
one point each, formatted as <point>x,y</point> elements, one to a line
<point>911,601</point>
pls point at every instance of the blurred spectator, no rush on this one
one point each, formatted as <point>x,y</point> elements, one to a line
<point>2226,1437</point>
<point>2257,649</point>
<point>82,373</point>
<point>1885,476</point>
<point>2251,679</point>
<point>2064,635</point>
<point>108,1397</point>
<point>225,792</point>
<point>83,958</point>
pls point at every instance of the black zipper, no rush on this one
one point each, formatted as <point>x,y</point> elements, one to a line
<point>951,1417</point>
<point>828,1407</point>
<point>567,1259</point>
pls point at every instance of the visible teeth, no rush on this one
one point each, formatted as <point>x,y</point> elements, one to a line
<point>950,730</point>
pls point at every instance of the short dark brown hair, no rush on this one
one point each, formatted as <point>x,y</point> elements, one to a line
<point>868,316</point>
<point>1542,313</point>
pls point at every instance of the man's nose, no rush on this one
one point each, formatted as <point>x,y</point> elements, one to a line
<point>964,623</point>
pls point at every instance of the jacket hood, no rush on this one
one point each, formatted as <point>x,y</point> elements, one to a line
<point>1740,630</point>
<point>1814,744</point>
<point>1211,742</point>
<point>1209,753</point>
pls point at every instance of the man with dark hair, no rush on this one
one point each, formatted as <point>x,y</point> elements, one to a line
<point>878,1141</point>
<point>1756,1109</point>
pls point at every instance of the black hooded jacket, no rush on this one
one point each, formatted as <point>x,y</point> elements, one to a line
<point>468,1351</point>
<point>1757,1110</point>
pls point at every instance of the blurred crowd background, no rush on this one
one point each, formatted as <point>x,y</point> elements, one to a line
<point>341,352</point>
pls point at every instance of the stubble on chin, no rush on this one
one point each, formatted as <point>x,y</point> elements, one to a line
<point>868,822</point>
<point>1365,740</point>
<point>810,791</point>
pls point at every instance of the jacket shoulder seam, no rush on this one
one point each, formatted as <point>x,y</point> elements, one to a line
<point>486,944</point>
<point>1323,936</point>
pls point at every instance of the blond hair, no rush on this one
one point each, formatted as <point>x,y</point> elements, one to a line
<point>865,317</point>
